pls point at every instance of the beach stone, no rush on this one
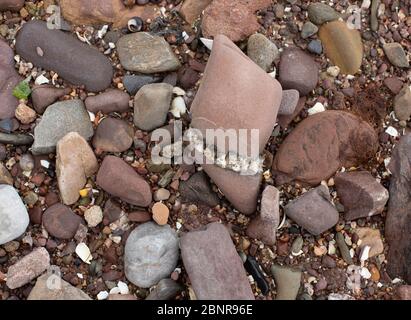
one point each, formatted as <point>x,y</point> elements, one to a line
<point>285,120</point>
<point>17,139</point>
<point>289,102</point>
<point>298,71</point>
<point>372,238</point>
<point>313,211</point>
<point>151,254</point>
<point>61,291</point>
<point>112,100</point>
<point>5,176</point>
<point>11,5</point>
<point>336,37</point>
<point>151,105</point>
<point>213,265</point>
<point>404,292</point>
<point>146,53</point>
<point>93,216</point>
<point>73,60</point>
<point>396,55</point>
<point>13,214</point>
<point>264,226</point>
<point>402,103</point>
<point>398,221</point>
<point>160,213</point>
<point>28,268</point>
<point>394,84</point>
<point>309,29</point>
<point>321,144</point>
<point>45,95</point>
<point>262,51</point>
<point>133,83</point>
<point>9,79</point>
<point>374,14</point>
<point>61,222</point>
<point>25,114</point>
<point>58,120</point>
<point>99,12</point>
<point>315,46</point>
<point>192,9</point>
<point>113,135</point>
<point>360,194</point>
<point>320,13</point>
<point>166,289</point>
<point>198,189</point>
<point>287,280</point>
<point>119,179</point>
<point>223,17</point>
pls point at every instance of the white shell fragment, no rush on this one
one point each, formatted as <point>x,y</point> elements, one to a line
<point>123,287</point>
<point>208,43</point>
<point>365,253</point>
<point>84,252</point>
<point>318,107</point>
<point>178,91</point>
<point>102,295</point>
<point>45,164</point>
<point>392,132</point>
<point>41,79</point>
<point>365,273</point>
<point>178,107</point>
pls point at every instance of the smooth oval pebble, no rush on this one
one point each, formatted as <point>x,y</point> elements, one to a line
<point>73,60</point>
<point>61,222</point>
<point>160,213</point>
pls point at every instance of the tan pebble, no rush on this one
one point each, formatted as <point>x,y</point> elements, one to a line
<point>375,273</point>
<point>25,114</point>
<point>160,213</point>
<point>245,244</point>
<point>106,230</point>
<point>320,251</point>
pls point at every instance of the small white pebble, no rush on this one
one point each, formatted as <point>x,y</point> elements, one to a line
<point>365,273</point>
<point>365,253</point>
<point>318,107</point>
<point>208,43</point>
<point>178,91</point>
<point>41,79</point>
<point>392,132</point>
<point>178,107</point>
<point>101,33</point>
<point>84,253</point>
<point>92,116</point>
<point>123,287</point>
<point>115,290</point>
<point>45,164</point>
<point>102,295</point>
<point>396,280</point>
<point>79,275</point>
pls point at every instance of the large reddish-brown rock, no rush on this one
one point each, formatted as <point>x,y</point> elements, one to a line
<point>11,5</point>
<point>96,12</point>
<point>119,179</point>
<point>213,265</point>
<point>398,222</point>
<point>404,292</point>
<point>61,222</point>
<point>321,144</point>
<point>234,18</point>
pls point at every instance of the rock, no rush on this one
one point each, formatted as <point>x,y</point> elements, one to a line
<point>315,46</point>
<point>98,12</point>
<point>61,290</point>
<point>11,5</point>
<point>75,163</point>
<point>133,83</point>
<point>360,194</point>
<point>93,216</point>
<point>404,292</point>
<point>402,103</point>
<point>372,238</point>
<point>198,189</point>
<point>394,84</point>
<point>151,105</point>
<point>262,51</point>
<point>45,95</point>
<point>298,71</point>
<point>285,120</point>
<point>160,213</point>
<point>396,55</point>
<point>16,139</point>
<point>58,120</point>
<point>187,77</point>
<point>25,114</point>
<point>320,13</point>
<point>13,214</point>
<point>122,297</point>
<point>192,9</point>
<point>289,102</point>
<point>374,15</point>
<point>397,224</point>
<point>112,100</point>
<point>254,269</point>
<point>146,53</point>
<point>113,135</point>
<point>151,254</point>
<point>161,194</point>
<point>321,144</point>
<point>5,176</point>
<point>215,269</point>
<point>342,246</point>
<point>61,222</point>
<point>166,289</point>
<point>28,268</point>
<point>309,29</point>
<point>117,178</point>
<point>287,281</point>
<point>313,211</point>
<point>336,37</point>
<point>264,226</point>
<point>9,79</point>
<point>223,18</point>
<point>73,60</point>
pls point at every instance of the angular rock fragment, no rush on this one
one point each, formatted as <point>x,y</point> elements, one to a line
<point>45,95</point>
<point>112,100</point>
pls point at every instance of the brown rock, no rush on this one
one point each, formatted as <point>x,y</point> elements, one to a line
<point>402,103</point>
<point>198,190</point>
<point>160,213</point>
<point>372,238</point>
<point>11,5</point>
<point>361,195</point>
<point>112,100</point>
<point>61,222</point>
<point>25,114</point>
<point>285,120</point>
<point>192,9</point>
<point>5,176</point>
<point>112,211</point>
<point>321,144</point>
<point>120,180</point>
<point>404,292</point>
<point>394,84</point>
<point>343,46</point>
<point>289,102</point>
<point>113,135</point>
<point>213,265</point>
<point>139,216</point>
<point>36,214</point>
<point>264,226</point>
<point>97,12</point>
<point>45,95</point>
<point>235,19</point>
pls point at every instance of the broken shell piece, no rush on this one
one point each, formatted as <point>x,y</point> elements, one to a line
<point>84,252</point>
<point>178,107</point>
<point>123,287</point>
<point>365,253</point>
<point>208,43</point>
<point>115,290</point>
<point>318,107</point>
<point>392,132</point>
<point>178,91</point>
<point>41,79</point>
<point>102,295</point>
<point>365,273</point>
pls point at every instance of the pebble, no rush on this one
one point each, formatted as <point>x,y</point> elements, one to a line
<point>90,67</point>
<point>45,95</point>
<point>113,135</point>
<point>74,164</point>
<point>309,29</point>
<point>13,214</point>
<point>26,162</point>
<point>289,102</point>
<point>160,213</point>
<point>320,13</point>
<point>25,114</point>
<point>112,100</point>
<point>16,139</point>
<point>93,216</point>
<point>396,55</point>
<point>192,9</point>
<point>11,5</point>
<point>343,248</point>
<point>297,246</point>
<point>11,246</point>
<point>60,221</point>
<point>198,189</point>
<point>58,120</point>
<point>5,176</point>
<point>371,238</point>
<point>374,15</point>
<point>402,103</point>
<point>178,107</point>
<point>161,194</point>
<point>133,83</point>
<point>287,280</point>
<point>146,53</point>
<point>151,254</point>
<point>151,105</point>
<point>166,289</point>
<point>28,268</point>
<point>262,51</point>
